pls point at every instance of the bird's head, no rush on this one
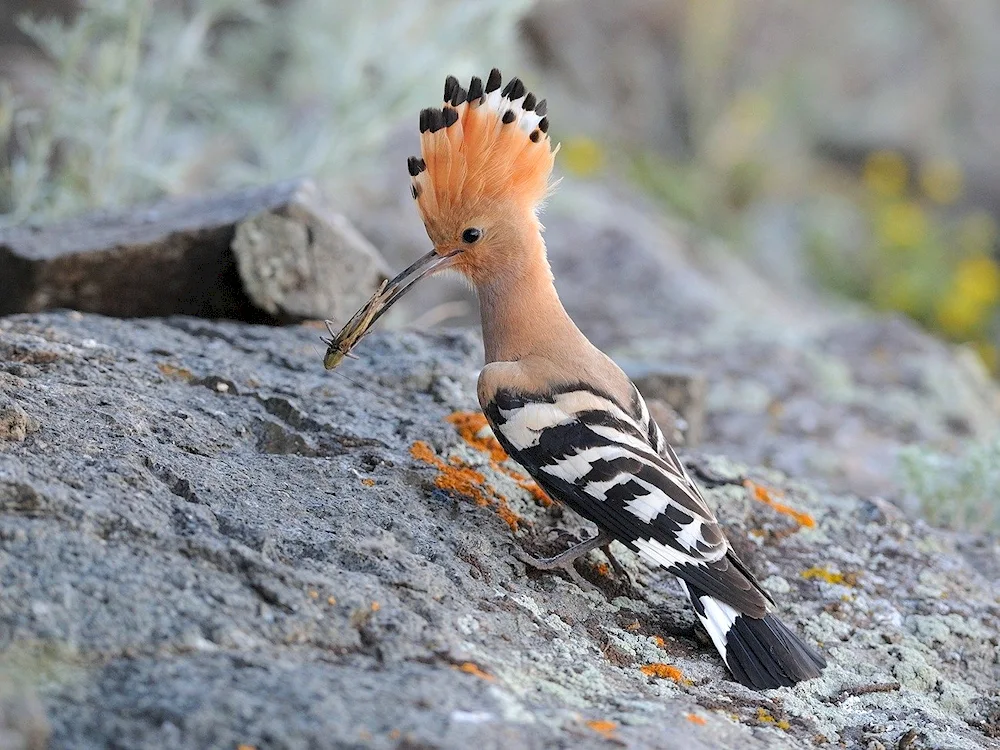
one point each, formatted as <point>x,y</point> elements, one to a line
<point>483,171</point>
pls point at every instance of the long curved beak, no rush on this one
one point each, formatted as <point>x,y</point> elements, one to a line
<point>340,344</point>
<point>425,266</point>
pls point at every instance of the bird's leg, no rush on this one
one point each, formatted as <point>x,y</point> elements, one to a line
<point>619,570</point>
<point>565,560</point>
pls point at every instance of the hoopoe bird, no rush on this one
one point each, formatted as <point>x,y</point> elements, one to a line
<point>559,406</point>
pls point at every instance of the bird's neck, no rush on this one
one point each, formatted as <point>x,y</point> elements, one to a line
<point>522,314</point>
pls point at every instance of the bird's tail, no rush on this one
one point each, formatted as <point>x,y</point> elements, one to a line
<point>761,652</point>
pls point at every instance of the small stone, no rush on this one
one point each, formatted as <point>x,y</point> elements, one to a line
<point>15,424</point>
<point>682,389</point>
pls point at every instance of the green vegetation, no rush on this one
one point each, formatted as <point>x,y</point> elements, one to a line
<point>148,99</point>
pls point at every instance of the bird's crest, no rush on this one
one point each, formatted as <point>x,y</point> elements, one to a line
<point>484,143</point>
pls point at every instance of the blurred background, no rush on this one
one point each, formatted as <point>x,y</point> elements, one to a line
<point>847,152</point>
<point>853,146</point>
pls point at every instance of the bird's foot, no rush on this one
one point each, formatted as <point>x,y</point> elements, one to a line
<point>565,560</point>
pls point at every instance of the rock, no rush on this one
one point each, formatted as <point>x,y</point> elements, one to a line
<point>683,390</point>
<point>301,261</point>
<point>178,257</point>
<point>15,424</point>
<point>311,558</point>
<point>22,720</point>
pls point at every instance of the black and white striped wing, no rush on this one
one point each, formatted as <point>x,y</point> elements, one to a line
<point>614,468</point>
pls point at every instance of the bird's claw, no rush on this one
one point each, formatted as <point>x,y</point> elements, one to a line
<point>554,563</point>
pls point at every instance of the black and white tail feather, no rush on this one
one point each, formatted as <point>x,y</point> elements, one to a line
<point>611,464</point>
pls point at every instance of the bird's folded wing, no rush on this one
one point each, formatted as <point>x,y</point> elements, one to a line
<point>615,469</point>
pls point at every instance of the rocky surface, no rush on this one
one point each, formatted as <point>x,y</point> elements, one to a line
<point>208,541</point>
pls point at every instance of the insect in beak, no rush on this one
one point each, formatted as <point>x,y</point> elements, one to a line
<point>339,345</point>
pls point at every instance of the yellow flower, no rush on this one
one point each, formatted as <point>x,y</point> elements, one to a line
<point>885,173</point>
<point>582,156</point>
<point>978,278</point>
<point>942,181</point>
<point>958,315</point>
<point>902,224</point>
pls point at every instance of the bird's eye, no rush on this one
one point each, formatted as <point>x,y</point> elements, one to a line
<point>471,235</point>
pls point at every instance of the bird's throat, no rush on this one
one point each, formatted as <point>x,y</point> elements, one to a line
<point>522,314</point>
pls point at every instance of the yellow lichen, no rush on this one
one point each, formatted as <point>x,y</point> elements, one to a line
<point>822,574</point>
<point>764,717</point>
<point>766,496</point>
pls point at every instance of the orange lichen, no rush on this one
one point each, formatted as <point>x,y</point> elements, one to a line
<point>173,371</point>
<point>313,594</point>
<point>470,426</point>
<point>368,482</point>
<point>246,747</point>
<point>458,477</point>
<point>395,734</point>
<point>602,727</point>
<point>510,517</point>
<point>764,717</point>
<point>696,719</point>
<point>331,600</point>
<point>766,496</point>
<point>376,606</point>
<point>603,569</point>
<point>528,486</point>
<point>469,668</point>
<point>663,671</point>
<point>660,643</point>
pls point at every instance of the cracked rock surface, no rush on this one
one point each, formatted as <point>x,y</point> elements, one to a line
<point>208,541</point>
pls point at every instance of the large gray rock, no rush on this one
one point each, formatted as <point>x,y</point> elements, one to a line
<point>274,253</point>
<point>211,542</point>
